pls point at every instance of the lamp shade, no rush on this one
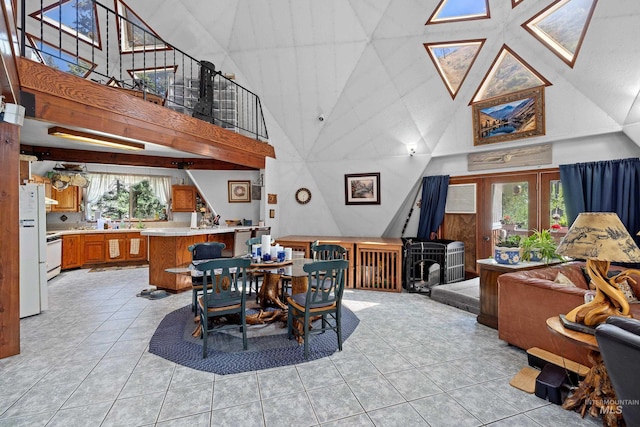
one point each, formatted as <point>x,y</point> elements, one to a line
<point>599,236</point>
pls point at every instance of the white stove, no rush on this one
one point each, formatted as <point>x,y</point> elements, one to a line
<point>54,254</point>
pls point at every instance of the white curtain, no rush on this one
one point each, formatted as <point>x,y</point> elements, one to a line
<point>100,183</point>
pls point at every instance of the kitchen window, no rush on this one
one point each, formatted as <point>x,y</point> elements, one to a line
<point>127,197</point>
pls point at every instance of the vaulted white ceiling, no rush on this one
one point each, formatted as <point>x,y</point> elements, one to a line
<point>363,66</point>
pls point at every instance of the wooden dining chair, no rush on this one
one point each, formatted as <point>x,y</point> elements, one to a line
<point>224,294</point>
<point>261,231</point>
<point>201,252</point>
<point>324,252</point>
<point>324,300</point>
<point>239,249</point>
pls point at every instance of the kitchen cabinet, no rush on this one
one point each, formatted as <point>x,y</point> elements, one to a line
<point>136,247</point>
<point>68,199</point>
<point>115,247</point>
<point>183,198</point>
<point>71,251</point>
<point>37,179</point>
<point>226,238</point>
<point>94,248</point>
<point>90,249</point>
<point>125,247</point>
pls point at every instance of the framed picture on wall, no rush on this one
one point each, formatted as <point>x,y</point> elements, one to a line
<point>239,191</point>
<point>362,189</point>
<point>506,118</point>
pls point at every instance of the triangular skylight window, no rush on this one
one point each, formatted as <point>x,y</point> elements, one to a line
<point>561,27</point>
<point>453,60</point>
<point>134,34</point>
<point>459,10</point>
<point>154,80</point>
<point>77,18</point>
<point>57,58</point>
<point>514,3</point>
<point>509,73</point>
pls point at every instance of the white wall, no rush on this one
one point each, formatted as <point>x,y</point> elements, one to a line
<point>327,213</point>
<point>213,186</point>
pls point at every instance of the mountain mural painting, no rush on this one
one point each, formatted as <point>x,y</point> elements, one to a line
<point>506,118</point>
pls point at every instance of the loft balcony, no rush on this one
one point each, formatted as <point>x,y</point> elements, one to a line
<point>86,66</point>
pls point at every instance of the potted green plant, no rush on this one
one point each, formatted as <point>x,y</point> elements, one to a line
<point>539,246</point>
<point>507,250</point>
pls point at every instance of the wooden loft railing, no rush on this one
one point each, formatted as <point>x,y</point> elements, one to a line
<point>58,97</point>
<point>116,48</point>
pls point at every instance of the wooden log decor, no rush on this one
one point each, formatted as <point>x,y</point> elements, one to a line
<point>516,157</point>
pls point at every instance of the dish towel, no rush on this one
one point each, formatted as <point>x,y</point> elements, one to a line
<point>134,246</point>
<point>114,248</point>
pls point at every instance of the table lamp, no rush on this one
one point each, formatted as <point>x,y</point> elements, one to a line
<point>600,238</point>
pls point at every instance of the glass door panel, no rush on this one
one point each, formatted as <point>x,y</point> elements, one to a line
<point>509,208</point>
<point>554,216</point>
<point>510,211</point>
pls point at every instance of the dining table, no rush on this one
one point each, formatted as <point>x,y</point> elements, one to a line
<point>272,291</point>
<point>271,297</point>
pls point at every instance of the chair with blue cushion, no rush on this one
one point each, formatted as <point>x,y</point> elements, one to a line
<point>253,277</point>
<point>201,252</point>
<point>224,283</point>
<point>324,252</point>
<point>323,300</point>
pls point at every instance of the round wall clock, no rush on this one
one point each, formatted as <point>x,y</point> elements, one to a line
<point>303,195</point>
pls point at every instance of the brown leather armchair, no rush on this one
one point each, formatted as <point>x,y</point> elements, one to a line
<point>619,342</point>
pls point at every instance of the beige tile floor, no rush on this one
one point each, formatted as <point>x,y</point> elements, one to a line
<point>410,362</point>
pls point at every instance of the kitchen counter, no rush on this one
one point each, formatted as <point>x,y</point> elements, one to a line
<point>186,231</point>
<point>92,231</point>
<point>169,248</point>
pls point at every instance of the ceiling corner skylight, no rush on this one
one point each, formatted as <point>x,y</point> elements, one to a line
<point>57,58</point>
<point>514,3</point>
<point>459,10</point>
<point>134,34</point>
<point>453,60</point>
<point>509,73</point>
<point>77,18</point>
<point>561,27</point>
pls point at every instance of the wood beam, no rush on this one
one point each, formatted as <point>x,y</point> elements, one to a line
<point>9,196</point>
<point>85,156</point>
<point>9,258</point>
<point>65,99</point>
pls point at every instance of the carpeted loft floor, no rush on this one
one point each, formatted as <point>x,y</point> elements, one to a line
<point>411,362</point>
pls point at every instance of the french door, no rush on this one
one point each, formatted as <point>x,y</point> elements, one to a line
<point>508,206</point>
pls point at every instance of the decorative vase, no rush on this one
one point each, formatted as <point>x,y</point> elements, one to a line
<point>535,256</point>
<point>508,256</point>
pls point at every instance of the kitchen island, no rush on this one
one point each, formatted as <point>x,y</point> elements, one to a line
<point>168,248</point>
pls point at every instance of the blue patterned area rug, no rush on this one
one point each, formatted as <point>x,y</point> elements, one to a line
<point>268,345</point>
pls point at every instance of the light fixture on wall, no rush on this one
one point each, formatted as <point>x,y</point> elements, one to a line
<point>94,139</point>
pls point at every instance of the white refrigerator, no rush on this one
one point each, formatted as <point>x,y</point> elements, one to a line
<point>33,254</point>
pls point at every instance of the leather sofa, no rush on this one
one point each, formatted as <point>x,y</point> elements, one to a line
<point>526,299</point>
<point>619,342</point>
